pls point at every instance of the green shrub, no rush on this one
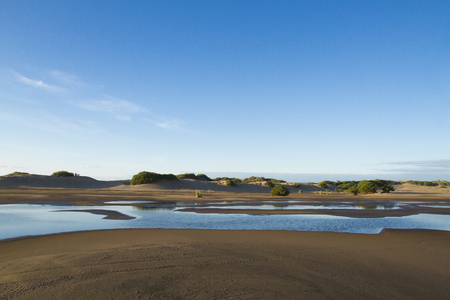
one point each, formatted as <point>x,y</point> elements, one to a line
<point>235,180</point>
<point>387,188</point>
<point>230,183</point>
<point>353,190</point>
<point>149,177</point>
<point>279,190</point>
<point>144,177</point>
<point>424,183</point>
<point>380,182</point>
<point>269,184</point>
<point>187,176</point>
<point>297,185</point>
<point>328,182</point>
<point>323,185</point>
<point>203,177</point>
<point>367,187</point>
<point>62,174</point>
<point>300,191</point>
<point>17,174</point>
<point>346,185</point>
<point>443,184</point>
<point>167,177</point>
<point>260,179</point>
<point>198,194</point>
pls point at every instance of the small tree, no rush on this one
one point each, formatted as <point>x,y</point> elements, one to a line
<point>279,190</point>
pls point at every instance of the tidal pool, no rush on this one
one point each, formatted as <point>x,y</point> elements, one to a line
<point>18,220</point>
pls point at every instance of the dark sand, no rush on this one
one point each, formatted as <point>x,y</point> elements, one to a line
<point>207,264</point>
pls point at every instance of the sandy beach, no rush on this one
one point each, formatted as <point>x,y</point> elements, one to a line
<point>206,264</point>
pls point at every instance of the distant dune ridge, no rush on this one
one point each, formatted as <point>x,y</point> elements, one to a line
<point>84,182</point>
<point>43,181</point>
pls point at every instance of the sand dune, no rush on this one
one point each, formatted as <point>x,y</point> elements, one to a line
<point>83,182</point>
<point>42,181</point>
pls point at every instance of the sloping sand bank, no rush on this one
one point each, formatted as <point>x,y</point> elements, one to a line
<point>187,264</point>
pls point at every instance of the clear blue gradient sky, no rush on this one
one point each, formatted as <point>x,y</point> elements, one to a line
<point>325,89</point>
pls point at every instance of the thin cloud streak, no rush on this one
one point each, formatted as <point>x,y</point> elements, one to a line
<point>37,83</point>
<point>170,124</point>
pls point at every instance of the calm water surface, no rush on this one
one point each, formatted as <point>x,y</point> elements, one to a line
<point>26,219</point>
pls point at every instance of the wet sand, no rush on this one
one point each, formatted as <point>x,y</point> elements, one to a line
<point>209,264</point>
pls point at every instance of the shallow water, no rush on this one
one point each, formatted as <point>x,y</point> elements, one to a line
<point>299,207</point>
<point>26,219</point>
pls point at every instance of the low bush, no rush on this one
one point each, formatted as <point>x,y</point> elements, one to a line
<point>234,179</point>
<point>198,194</point>
<point>187,176</point>
<point>387,188</point>
<point>167,177</point>
<point>424,183</point>
<point>203,177</point>
<point>279,190</point>
<point>443,184</point>
<point>380,182</point>
<point>63,174</point>
<point>346,185</point>
<point>144,177</point>
<point>328,182</point>
<point>230,183</point>
<point>269,184</point>
<point>261,179</point>
<point>353,190</point>
<point>323,184</point>
<point>16,174</point>
<point>149,177</point>
<point>297,185</point>
<point>367,187</point>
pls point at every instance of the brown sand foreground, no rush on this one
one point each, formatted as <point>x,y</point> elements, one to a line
<point>208,264</point>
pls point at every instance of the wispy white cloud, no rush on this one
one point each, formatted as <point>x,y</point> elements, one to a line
<point>170,124</point>
<point>66,78</point>
<point>121,109</point>
<point>39,84</point>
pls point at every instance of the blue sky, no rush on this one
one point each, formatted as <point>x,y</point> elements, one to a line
<point>298,89</point>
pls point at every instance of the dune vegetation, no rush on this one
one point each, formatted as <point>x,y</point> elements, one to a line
<point>63,174</point>
<point>16,174</point>
<point>279,190</point>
